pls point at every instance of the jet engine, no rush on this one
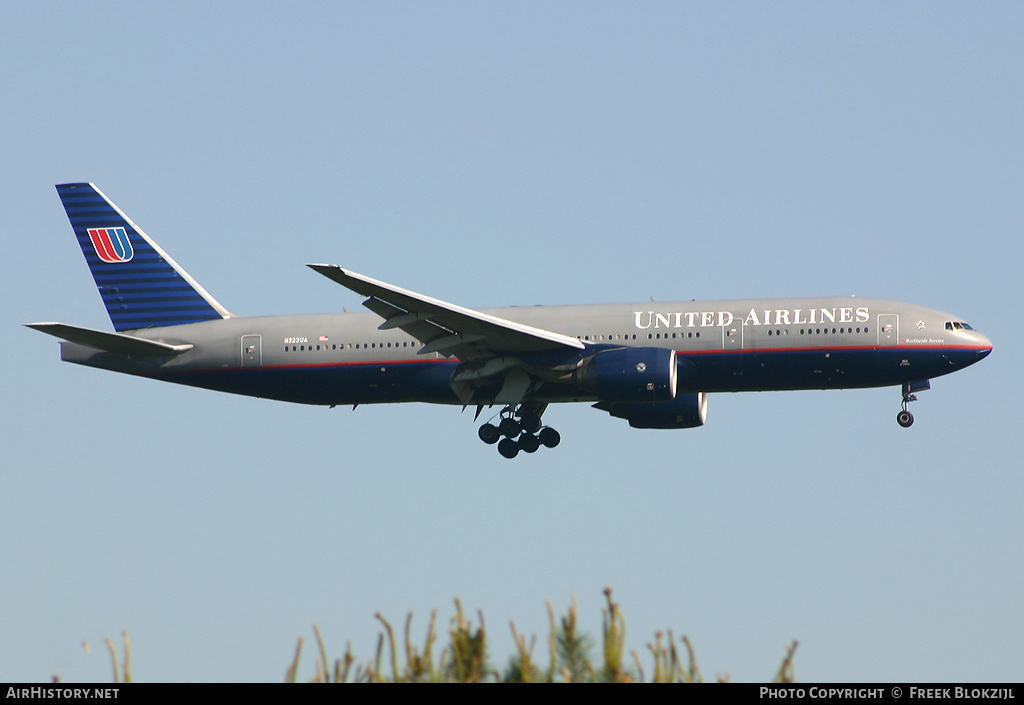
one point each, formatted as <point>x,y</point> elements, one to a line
<point>685,411</point>
<point>631,375</point>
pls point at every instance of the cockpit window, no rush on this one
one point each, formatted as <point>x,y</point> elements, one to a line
<point>957,325</point>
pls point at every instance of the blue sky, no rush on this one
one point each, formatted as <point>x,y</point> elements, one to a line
<point>516,153</point>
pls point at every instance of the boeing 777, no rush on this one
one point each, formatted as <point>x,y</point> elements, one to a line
<point>652,364</point>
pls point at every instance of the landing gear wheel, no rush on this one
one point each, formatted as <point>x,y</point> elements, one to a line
<point>905,419</point>
<point>549,437</point>
<point>529,443</point>
<point>508,448</point>
<point>489,434</point>
<point>530,422</point>
<point>510,428</point>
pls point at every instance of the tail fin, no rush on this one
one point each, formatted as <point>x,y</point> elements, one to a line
<point>141,286</point>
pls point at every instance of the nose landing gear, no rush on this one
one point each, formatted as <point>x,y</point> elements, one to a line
<point>905,418</point>
<point>520,429</point>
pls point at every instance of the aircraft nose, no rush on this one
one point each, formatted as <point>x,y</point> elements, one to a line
<point>984,345</point>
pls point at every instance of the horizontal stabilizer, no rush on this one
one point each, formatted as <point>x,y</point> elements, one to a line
<point>111,342</point>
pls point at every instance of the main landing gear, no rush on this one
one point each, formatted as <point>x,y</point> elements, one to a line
<point>519,429</point>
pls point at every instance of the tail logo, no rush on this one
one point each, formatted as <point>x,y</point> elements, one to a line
<point>111,244</point>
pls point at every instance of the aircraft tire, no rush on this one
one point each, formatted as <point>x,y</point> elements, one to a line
<point>530,422</point>
<point>510,428</point>
<point>489,434</point>
<point>549,437</point>
<point>508,448</point>
<point>529,443</point>
<point>905,419</point>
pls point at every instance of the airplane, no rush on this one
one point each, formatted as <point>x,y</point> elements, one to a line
<point>651,364</point>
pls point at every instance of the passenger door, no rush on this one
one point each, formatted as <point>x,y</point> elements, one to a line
<point>888,329</point>
<point>252,353</point>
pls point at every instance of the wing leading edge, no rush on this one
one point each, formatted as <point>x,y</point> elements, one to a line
<point>443,327</point>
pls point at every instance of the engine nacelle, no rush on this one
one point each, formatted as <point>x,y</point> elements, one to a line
<point>685,411</point>
<point>632,375</point>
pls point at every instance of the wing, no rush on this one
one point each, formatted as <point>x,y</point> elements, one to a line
<point>443,327</point>
<point>490,349</point>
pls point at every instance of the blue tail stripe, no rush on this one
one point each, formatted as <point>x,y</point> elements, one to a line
<point>145,289</point>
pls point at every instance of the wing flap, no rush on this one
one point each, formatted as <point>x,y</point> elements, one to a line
<point>111,342</point>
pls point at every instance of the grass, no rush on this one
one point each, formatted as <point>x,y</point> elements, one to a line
<point>463,659</point>
<point>570,655</point>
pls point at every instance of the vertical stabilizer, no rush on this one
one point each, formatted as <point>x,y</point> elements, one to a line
<point>141,286</point>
